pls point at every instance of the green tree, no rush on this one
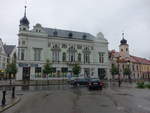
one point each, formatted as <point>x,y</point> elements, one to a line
<point>114,70</point>
<point>11,69</point>
<point>76,69</point>
<point>127,72</point>
<point>47,68</point>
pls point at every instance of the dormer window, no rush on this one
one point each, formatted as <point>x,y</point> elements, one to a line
<point>24,29</point>
<point>55,33</point>
<point>37,30</point>
<point>23,42</point>
<point>84,36</point>
<point>70,35</point>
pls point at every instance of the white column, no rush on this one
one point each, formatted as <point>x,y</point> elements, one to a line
<point>82,72</point>
<point>19,74</point>
<point>32,73</point>
<point>108,75</point>
<point>95,72</point>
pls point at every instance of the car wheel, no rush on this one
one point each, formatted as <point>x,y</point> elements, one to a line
<point>100,88</point>
<point>89,88</point>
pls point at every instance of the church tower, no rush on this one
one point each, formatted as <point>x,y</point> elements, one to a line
<point>124,47</point>
<point>24,23</point>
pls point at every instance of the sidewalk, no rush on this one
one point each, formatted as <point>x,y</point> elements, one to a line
<point>32,82</point>
<point>58,82</point>
<point>123,84</point>
<point>9,101</point>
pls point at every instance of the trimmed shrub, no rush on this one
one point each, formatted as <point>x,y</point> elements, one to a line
<point>147,85</point>
<point>140,85</point>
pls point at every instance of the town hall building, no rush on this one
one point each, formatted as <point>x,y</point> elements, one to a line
<point>63,48</point>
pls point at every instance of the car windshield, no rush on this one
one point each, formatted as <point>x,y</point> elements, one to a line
<point>94,79</point>
<point>81,79</point>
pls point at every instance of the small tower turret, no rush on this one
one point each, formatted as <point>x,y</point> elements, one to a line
<point>124,47</point>
<point>24,22</point>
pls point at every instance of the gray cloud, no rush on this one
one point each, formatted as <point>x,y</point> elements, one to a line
<point>109,16</point>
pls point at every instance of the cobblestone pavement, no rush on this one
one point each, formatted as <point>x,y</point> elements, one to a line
<point>65,99</point>
<point>9,100</point>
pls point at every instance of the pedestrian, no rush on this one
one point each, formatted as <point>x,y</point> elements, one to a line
<point>69,77</point>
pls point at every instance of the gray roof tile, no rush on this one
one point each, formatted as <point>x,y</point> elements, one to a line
<point>65,34</point>
<point>9,48</point>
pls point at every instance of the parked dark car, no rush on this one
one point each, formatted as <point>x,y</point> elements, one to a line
<point>95,83</point>
<point>80,81</point>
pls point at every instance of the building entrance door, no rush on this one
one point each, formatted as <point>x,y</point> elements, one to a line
<point>26,73</point>
<point>101,73</point>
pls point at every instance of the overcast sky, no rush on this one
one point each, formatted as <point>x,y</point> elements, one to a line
<point>110,17</point>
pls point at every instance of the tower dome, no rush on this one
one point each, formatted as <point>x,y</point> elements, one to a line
<point>123,41</point>
<point>24,20</point>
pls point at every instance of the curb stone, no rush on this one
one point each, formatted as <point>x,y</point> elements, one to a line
<point>10,105</point>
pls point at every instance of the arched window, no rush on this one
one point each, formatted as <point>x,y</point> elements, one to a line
<point>64,57</point>
<point>79,57</point>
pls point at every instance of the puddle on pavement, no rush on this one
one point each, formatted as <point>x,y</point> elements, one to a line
<point>104,105</point>
<point>124,94</point>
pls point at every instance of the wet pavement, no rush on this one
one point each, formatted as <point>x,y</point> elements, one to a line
<point>66,99</point>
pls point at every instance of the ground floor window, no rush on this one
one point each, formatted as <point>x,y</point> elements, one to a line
<point>101,73</point>
<point>64,70</point>
<point>54,70</point>
<point>38,71</point>
<point>26,73</point>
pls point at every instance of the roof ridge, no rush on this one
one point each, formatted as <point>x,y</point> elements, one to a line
<point>67,30</point>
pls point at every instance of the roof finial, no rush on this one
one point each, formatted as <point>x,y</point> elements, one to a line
<point>25,10</point>
<point>123,35</point>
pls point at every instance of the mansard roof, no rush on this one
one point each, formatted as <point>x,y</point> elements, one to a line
<point>68,34</point>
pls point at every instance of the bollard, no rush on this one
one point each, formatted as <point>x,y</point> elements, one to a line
<point>4,99</point>
<point>13,92</point>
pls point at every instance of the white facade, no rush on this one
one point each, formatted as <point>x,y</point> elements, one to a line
<point>62,48</point>
<point>3,57</point>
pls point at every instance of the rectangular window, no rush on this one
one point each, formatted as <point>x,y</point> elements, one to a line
<point>64,70</point>
<point>64,46</point>
<point>38,71</point>
<point>22,54</point>
<point>133,67</point>
<point>54,70</point>
<point>101,57</point>
<point>55,56</point>
<point>37,54</point>
<point>86,58</point>
<point>72,56</point>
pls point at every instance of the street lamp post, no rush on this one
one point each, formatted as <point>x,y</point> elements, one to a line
<point>13,92</point>
<point>3,98</point>
<point>119,80</point>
